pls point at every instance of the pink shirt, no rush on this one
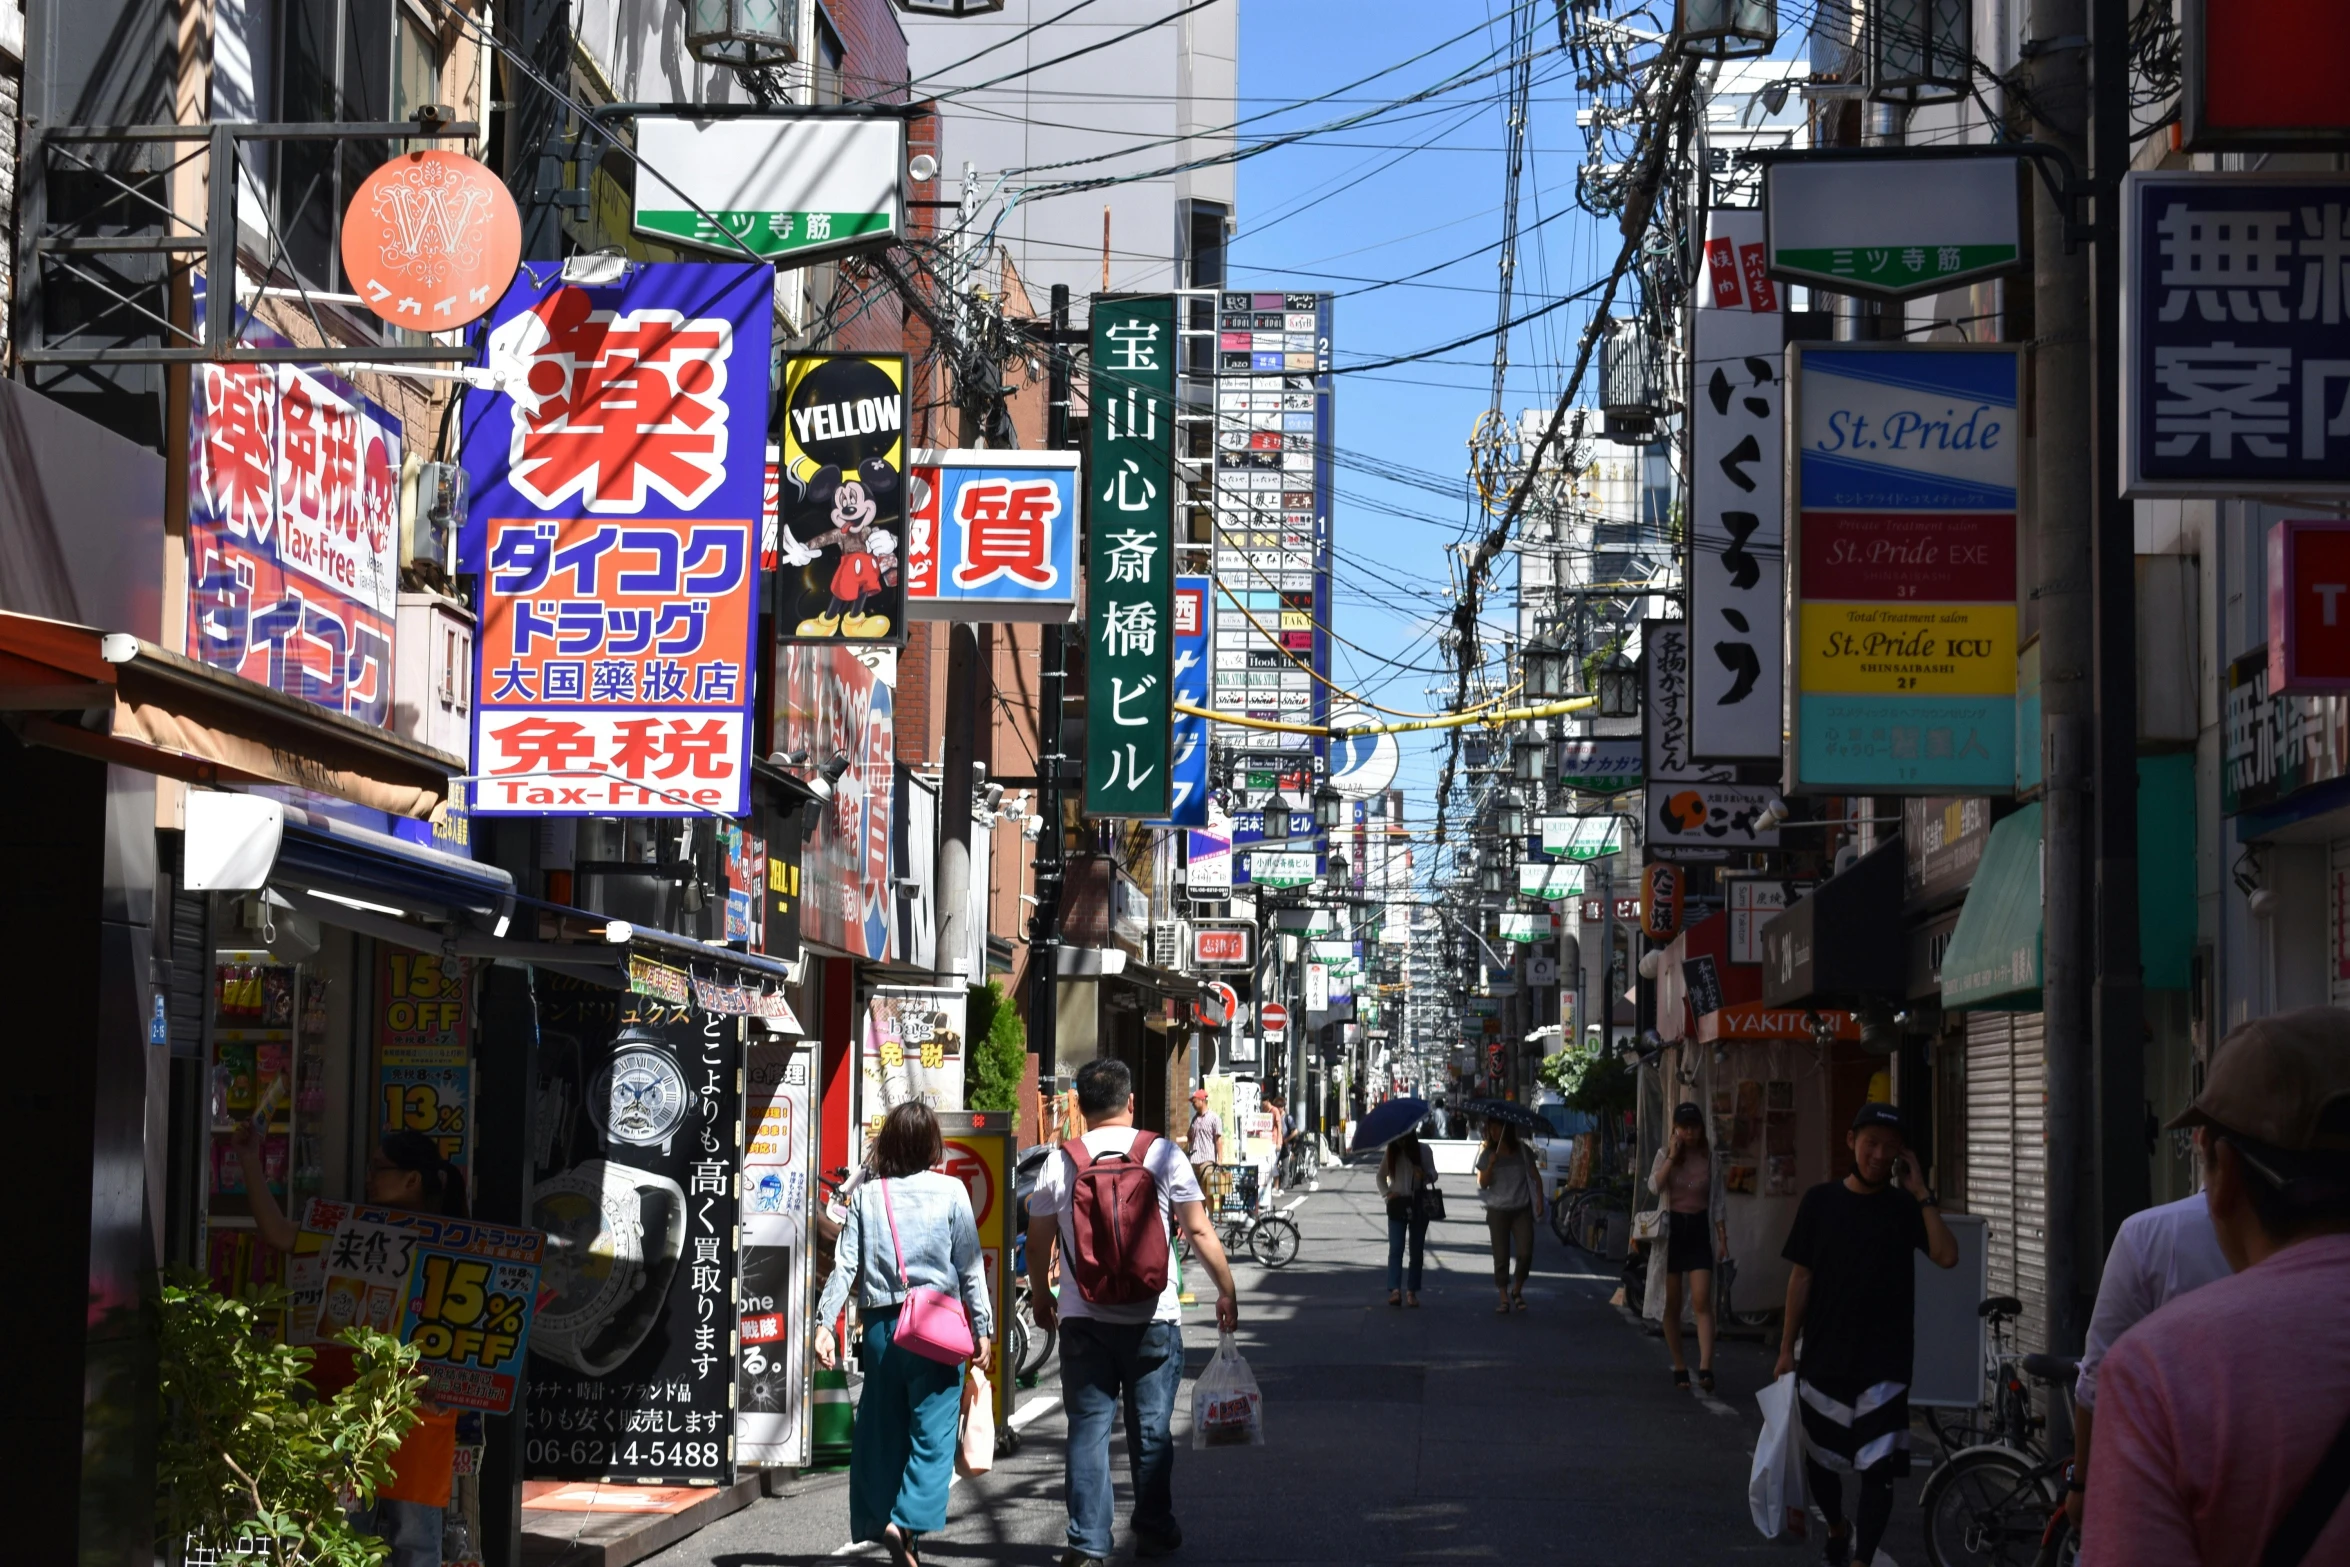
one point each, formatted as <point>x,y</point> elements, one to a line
<point>2212,1413</point>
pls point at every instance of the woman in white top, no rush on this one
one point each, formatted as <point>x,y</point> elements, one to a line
<point>1505,1184</point>
<point>1407,1172</point>
<point>1685,1177</point>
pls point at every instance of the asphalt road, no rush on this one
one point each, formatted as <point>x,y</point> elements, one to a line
<point>1446,1434</point>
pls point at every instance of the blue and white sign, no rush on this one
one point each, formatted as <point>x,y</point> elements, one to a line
<point>992,535</point>
<point>1361,765</point>
<point>2236,334</point>
<point>1187,787</point>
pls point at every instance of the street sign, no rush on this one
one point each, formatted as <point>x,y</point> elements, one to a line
<point>778,187</point>
<point>1273,1018</point>
<point>1892,225</point>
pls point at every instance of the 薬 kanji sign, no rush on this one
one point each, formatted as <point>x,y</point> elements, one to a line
<point>991,535</point>
<point>617,471</point>
<point>1129,563</point>
<point>2236,334</point>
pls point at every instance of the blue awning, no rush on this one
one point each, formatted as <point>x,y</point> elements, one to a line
<point>340,861</point>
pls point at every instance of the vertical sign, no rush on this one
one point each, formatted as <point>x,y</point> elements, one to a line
<point>842,500</point>
<point>779,1256</point>
<point>616,473</point>
<point>1130,559</point>
<point>913,1050</point>
<point>1189,758</point>
<point>1695,810</point>
<point>838,712</point>
<point>423,1054</point>
<point>1905,561</point>
<point>1737,541</point>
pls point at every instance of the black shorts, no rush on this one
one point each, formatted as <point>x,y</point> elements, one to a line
<point>1689,1243</point>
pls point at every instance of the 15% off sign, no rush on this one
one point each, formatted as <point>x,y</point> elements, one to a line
<point>468,1318</point>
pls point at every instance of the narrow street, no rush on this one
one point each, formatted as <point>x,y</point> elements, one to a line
<point>1444,1434</point>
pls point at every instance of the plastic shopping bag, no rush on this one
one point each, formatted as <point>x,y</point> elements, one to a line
<point>1775,1487</point>
<point>975,1446</point>
<point>1226,1408</point>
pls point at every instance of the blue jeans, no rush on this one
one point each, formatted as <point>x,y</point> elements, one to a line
<point>1106,1365</point>
<point>1400,1229</point>
<point>902,1457</point>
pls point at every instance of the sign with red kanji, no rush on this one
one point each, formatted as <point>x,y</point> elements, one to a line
<point>618,473</point>
<point>992,535</point>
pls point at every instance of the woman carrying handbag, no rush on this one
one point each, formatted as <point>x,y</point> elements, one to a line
<point>1407,1179</point>
<point>910,1248</point>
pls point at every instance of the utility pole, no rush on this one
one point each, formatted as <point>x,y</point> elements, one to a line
<point>970,688</point>
<point>1044,938</point>
<point>2064,476</point>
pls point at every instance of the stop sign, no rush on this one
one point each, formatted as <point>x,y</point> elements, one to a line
<point>1274,1016</point>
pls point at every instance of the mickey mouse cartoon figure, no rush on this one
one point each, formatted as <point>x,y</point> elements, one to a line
<point>868,555</point>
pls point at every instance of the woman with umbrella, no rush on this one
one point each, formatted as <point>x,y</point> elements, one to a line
<point>1407,1179</point>
<point>1507,1186</point>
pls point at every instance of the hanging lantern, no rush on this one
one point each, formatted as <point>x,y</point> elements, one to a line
<point>1920,51</point>
<point>1728,29</point>
<point>1546,671</point>
<point>1512,817</point>
<point>746,34</point>
<point>1661,890</point>
<point>1530,758</point>
<point>1618,684</point>
<point>1329,808</point>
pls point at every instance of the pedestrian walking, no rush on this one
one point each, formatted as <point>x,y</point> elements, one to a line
<point>909,1231</point>
<point>2223,1419</point>
<point>1505,1184</point>
<point>1276,1112</point>
<point>1204,1140</point>
<point>1851,1297</point>
<point>1686,1178</point>
<point>1108,1205</point>
<point>1407,1174</point>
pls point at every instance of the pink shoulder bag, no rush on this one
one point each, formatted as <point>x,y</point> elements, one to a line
<point>931,1323</point>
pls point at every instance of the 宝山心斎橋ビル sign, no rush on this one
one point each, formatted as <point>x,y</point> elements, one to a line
<point>777,186</point>
<point>1895,224</point>
<point>842,503</point>
<point>992,536</point>
<point>615,467</point>
<point>2235,334</point>
<point>830,705</point>
<point>1129,567</point>
<point>1695,810</point>
<point>1188,745</point>
<point>1905,569</point>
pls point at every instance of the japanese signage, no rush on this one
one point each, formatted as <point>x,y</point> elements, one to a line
<point>2235,334</point>
<point>2261,75</point>
<point>1550,881</point>
<point>2308,618</point>
<point>842,505</point>
<point>1223,945</point>
<point>742,858</point>
<point>1527,927</point>
<point>423,1059</point>
<point>633,1357</point>
<point>836,711</point>
<point>1661,889</point>
<point>1752,904</point>
<point>992,535</point>
<point>616,475</point>
<point>913,1050</point>
<point>780,828</point>
<point>1207,858</point>
<point>1737,546</point>
<point>778,1257</point>
<point>1599,766</point>
<point>1689,803</point>
<point>1905,561</point>
<point>775,186</point>
<point>1893,226</point>
<point>293,532</point>
<point>1579,837</point>
<point>978,1152</point>
<point>2273,746</point>
<point>430,240</point>
<point>459,1291</point>
<point>1188,746</point>
<point>1129,565</point>
<point>1942,844</point>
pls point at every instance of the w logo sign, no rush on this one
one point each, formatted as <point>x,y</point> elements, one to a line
<point>431,240</point>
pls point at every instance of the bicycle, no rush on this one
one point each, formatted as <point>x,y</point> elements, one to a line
<point>2000,1503</point>
<point>1242,1224</point>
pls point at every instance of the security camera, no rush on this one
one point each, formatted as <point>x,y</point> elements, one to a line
<point>1774,815</point>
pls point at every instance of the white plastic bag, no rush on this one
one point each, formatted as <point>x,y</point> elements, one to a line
<point>1226,1408</point>
<point>1775,1486</point>
<point>975,1446</point>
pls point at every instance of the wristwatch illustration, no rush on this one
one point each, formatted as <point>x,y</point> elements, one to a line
<point>614,1237</point>
<point>639,1100</point>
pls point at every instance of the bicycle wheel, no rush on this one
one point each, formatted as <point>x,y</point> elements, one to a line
<point>1986,1507</point>
<point>1274,1241</point>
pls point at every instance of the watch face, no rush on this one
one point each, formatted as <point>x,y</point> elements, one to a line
<point>642,1096</point>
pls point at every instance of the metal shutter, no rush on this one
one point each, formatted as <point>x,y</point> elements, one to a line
<point>2007,1156</point>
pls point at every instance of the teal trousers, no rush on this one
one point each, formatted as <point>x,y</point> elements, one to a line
<point>902,1458</point>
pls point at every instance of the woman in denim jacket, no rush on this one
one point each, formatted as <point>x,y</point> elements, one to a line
<point>903,1457</point>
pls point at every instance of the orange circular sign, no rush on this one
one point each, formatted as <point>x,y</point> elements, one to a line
<point>965,1164</point>
<point>431,240</point>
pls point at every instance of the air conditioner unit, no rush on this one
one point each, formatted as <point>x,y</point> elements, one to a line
<point>1168,942</point>
<point>436,515</point>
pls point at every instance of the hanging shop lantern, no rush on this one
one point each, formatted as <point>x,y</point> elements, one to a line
<point>1920,51</point>
<point>746,34</point>
<point>1661,887</point>
<point>1546,671</point>
<point>1728,29</point>
<point>1618,683</point>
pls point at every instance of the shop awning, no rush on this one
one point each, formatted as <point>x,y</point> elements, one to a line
<point>117,698</point>
<point>1842,939</point>
<point>344,862</point>
<point>1993,961</point>
<point>1749,1020</point>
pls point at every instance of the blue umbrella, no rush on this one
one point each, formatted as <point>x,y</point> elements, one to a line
<point>1383,1124</point>
<point>1508,1112</point>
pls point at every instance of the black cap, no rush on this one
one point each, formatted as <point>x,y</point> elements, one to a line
<point>1686,1113</point>
<point>1876,1114</point>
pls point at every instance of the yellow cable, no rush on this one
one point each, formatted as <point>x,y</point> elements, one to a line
<point>1445,721</point>
<point>1363,701</point>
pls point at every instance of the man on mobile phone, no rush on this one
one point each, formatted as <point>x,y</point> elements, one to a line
<point>1851,1304</point>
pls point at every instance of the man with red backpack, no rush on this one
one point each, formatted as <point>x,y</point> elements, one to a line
<point>1109,1202</point>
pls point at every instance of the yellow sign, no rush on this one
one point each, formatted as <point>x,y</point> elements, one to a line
<point>979,1154</point>
<point>1928,649</point>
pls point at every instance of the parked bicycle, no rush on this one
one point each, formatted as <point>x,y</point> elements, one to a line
<point>1243,1224</point>
<point>1999,1501</point>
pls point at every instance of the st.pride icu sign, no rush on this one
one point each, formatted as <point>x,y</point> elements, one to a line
<point>617,473</point>
<point>1905,562</point>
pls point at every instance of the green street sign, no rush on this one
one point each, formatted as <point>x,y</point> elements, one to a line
<point>779,186</point>
<point>1892,224</point>
<point>1129,558</point>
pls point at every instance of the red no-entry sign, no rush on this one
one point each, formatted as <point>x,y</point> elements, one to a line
<point>1275,1017</point>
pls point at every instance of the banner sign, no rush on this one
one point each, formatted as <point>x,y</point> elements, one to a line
<point>992,535</point>
<point>293,531</point>
<point>1188,757</point>
<point>1129,566</point>
<point>1893,226</point>
<point>1524,928</point>
<point>423,1049</point>
<point>778,186</point>
<point>1223,944</point>
<point>913,1050</point>
<point>1207,859</point>
<point>842,503</point>
<point>830,705</point>
<point>632,1358</point>
<point>778,1257</point>
<point>615,473</point>
<point>1905,561</point>
<point>2235,334</point>
<point>1737,551</point>
<point>1549,880</point>
<point>1580,837</point>
<point>1692,804</point>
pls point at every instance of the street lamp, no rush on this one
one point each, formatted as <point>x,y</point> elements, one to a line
<point>1329,808</point>
<point>1618,683</point>
<point>1489,880</point>
<point>746,34</point>
<point>1920,50</point>
<point>1728,29</point>
<point>1546,670</point>
<point>1529,758</point>
<point>1512,816</point>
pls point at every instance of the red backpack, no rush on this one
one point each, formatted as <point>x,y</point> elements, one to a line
<point>1121,1244</point>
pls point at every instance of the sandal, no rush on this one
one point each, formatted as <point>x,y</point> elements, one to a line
<point>1681,1377</point>
<point>901,1546</point>
<point>1705,1379</point>
<point>1503,1309</point>
<point>1412,1300</point>
<point>1517,1303</point>
<point>1395,1297</point>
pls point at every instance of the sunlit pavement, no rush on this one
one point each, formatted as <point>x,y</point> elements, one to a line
<point>1446,1434</point>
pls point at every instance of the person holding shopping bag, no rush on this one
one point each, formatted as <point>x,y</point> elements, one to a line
<point>910,1249</point>
<point>1506,1185</point>
<point>1407,1179</point>
<point>1685,1177</point>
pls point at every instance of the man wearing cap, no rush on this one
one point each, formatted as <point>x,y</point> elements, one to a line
<point>1851,1299</point>
<point>1205,1141</point>
<point>2223,1420</point>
